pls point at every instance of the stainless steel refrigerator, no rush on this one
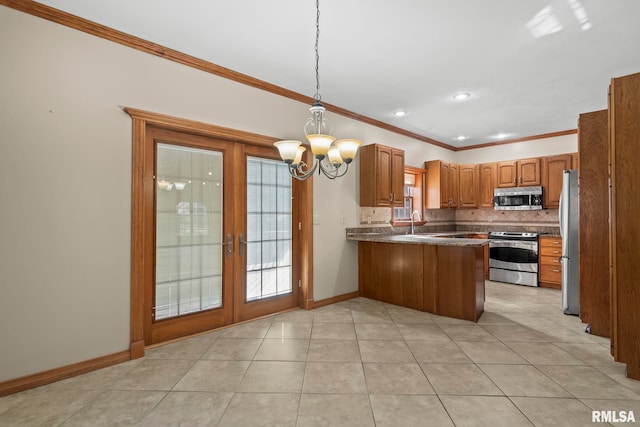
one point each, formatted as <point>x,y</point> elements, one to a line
<point>569,218</point>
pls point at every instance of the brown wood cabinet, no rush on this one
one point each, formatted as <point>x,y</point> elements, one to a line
<point>552,168</point>
<point>488,178</point>
<point>624,152</point>
<point>593,148</point>
<point>443,184</point>
<point>444,280</point>
<point>381,176</point>
<point>549,266</point>
<point>507,174</point>
<point>519,173</point>
<point>469,186</point>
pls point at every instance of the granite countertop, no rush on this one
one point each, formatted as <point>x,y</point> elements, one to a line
<point>447,238</point>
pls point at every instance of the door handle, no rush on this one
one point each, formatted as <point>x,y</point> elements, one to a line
<point>229,245</point>
<point>241,243</point>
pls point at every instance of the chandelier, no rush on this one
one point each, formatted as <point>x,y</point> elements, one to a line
<point>330,154</point>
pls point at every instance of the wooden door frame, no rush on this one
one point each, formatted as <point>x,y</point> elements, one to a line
<point>141,121</point>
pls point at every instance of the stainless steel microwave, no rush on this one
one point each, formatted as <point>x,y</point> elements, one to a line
<point>517,198</point>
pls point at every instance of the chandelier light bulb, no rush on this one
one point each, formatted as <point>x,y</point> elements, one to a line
<point>288,149</point>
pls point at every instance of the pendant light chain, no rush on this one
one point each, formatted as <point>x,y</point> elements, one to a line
<point>317,96</point>
<point>330,155</point>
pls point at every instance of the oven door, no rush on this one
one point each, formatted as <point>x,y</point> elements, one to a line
<point>513,255</point>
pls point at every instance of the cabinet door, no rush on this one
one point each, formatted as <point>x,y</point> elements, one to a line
<point>507,172</point>
<point>445,183</point>
<point>528,172</point>
<point>397,177</point>
<point>469,186</point>
<point>552,168</point>
<point>384,166</point>
<point>488,176</point>
<point>454,184</point>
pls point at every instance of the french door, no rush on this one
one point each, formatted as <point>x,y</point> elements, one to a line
<point>221,240</point>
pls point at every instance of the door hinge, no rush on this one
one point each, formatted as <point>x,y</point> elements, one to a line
<point>153,313</point>
<point>300,226</point>
<point>299,283</point>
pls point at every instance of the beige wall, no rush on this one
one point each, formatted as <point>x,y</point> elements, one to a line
<point>65,168</point>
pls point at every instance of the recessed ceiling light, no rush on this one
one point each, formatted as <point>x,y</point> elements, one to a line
<point>461,137</point>
<point>461,96</point>
<point>400,113</point>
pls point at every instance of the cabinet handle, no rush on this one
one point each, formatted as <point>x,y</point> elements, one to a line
<point>556,271</point>
<point>514,179</point>
<point>520,180</point>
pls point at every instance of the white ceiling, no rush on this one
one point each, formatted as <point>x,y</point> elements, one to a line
<point>531,67</point>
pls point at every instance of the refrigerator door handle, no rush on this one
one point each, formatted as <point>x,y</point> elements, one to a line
<point>560,213</point>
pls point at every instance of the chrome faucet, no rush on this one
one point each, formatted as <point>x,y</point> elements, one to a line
<point>411,217</point>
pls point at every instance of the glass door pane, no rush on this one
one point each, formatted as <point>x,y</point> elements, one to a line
<point>189,250</point>
<point>269,236</point>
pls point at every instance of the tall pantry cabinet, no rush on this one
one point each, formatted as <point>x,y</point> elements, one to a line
<point>624,153</point>
<point>593,147</point>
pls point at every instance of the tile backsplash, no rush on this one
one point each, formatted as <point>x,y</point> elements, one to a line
<point>542,221</point>
<point>375,216</point>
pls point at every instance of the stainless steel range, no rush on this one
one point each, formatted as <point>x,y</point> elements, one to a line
<point>513,257</point>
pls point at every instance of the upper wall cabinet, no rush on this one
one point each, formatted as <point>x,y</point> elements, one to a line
<point>519,173</point>
<point>443,184</point>
<point>469,186</point>
<point>552,168</point>
<point>381,176</point>
<point>488,178</point>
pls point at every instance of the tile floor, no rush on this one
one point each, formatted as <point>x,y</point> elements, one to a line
<point>356,363</point>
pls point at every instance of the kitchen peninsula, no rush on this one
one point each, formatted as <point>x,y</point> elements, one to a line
<point>438,273</point>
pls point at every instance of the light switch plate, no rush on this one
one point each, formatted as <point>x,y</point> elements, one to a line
<point>316,219</point>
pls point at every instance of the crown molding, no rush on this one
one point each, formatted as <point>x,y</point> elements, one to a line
<point>526,138</point>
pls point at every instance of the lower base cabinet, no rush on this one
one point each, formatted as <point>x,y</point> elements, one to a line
<point>549,265</point>
<point>444,280</point>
